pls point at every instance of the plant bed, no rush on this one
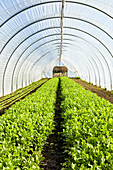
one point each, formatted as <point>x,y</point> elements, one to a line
<point>99,91</point>
<point>87,128</point>
<point>25,127</point>
<point>9,100</point>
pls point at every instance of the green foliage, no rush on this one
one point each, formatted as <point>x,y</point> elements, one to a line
<point>25,127</point>
<point>8,100</point>
<point>87,128</point>
<point>90,83</point>
<point>77,77</point>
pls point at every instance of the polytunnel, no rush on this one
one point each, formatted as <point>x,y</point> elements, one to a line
<point>37,35</point>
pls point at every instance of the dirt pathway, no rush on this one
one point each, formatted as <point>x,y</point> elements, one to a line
<point>53,151</point>
<point>99,91</point>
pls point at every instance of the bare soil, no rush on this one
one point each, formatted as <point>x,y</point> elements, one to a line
<point>53,150</point>
<point>99,91</point>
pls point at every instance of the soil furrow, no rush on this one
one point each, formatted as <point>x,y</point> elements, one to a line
<point>53,151</point>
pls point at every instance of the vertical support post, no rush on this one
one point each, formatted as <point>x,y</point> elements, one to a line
<point>62,16</point>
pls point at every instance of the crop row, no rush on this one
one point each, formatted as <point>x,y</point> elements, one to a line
<point>8,100</point>
<point>87,128</point>
<point>25,127</point>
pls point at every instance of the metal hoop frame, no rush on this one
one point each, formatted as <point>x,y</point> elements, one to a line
<point>55,2</point>
<point>56,27</point>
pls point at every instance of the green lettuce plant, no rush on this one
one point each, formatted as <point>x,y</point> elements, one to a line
<point>87,128</point>
<point>25,127</point>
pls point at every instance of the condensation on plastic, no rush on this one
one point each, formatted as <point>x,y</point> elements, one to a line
<point>30,41</point>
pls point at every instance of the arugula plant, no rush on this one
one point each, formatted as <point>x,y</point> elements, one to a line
<point>25,127</point>
<point>87,128</point>
<point>8,100</point>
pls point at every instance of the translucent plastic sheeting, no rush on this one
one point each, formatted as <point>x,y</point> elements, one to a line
<point>32,53</point>
<point>97,58</point>
<point>92,62</point>
<point>48,69</point>
<point>30,41</point>
<point>18,39</point>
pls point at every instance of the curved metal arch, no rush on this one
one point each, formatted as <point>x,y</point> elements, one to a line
<point>43,3</point>
<point>75,18</point>
<point>46,37</point>
<point>88,33</point>
<point>48,28</point>
<point>66,46</point>
<point>40,30</point>
<point>27,48</point>
<point>30,70</point>
<point>17,77</point>
<point>24,52</point>
<point>65,27</point>
<point>65,43</point>
<point>34,77</point>
<point>98,70</point>
<point>30,54</point>
<point>98,41</point>
<point>44,19</point>
<point>80,3</point>
<point>91,36</point>
<point>80,66</point>
<point>99,58</point>
<point>32,66</point>
<point>55,2</point>
<point>39,60</point>
<point>90,57</point>
<point>87,70</point>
